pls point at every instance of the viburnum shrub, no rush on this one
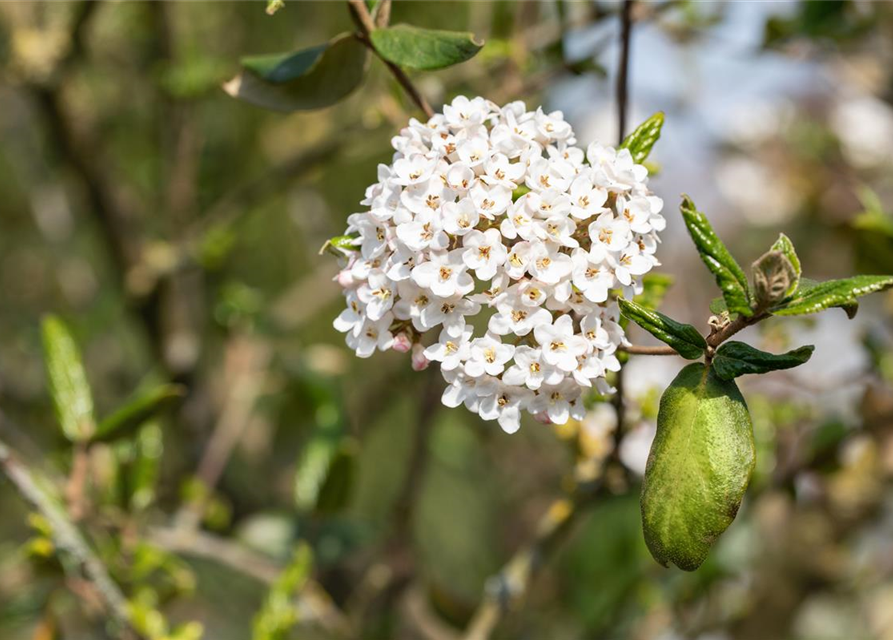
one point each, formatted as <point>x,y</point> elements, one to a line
<point>494,213</point>
<point>496,247</point>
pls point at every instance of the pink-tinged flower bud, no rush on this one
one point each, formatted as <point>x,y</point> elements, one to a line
<point>419,361</point>
<point>345,279</point>
<point>402,343</point>
<point>542,417</point>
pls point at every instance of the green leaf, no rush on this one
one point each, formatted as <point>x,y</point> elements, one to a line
<point>718,306</point>
<point>642,139</point>
<point>684,338</point>
<point>69,388</point>
<point>279,613</point>
<point>774,278</point>
<point>137,411</point>
<point>698,469</point>
<point>815,297</point>
<point>309,79</point>
<point>426,49</point>
<point>339,246</point>
<point>729,275</point>
<point>735,359</point>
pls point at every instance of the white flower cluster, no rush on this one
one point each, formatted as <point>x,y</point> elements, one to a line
<point>493,213</point>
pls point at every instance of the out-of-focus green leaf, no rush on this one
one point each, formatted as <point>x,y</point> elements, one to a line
<point>815,297</point>
<point>279,613</point>
<point>654,288</point>
<point>335,492</point>
<point>735,359</point>
<point>142,472</point>
<point>729,275</point>
<point>273,6</point>
<point>318,458</point>
<point>69,388</point>
<point>773,278</point>
<point>684,338</point>
<point>137,411</point>
<point>698,469</point>
<point>874,235</point>
<point>643,137</point>
<point>425,49</point>
<point>309,79</point>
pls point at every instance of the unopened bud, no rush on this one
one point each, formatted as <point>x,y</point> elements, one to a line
<point>419,361</point>
<point>542,417</point>
<point>402,343</point>
<point>345,279</point>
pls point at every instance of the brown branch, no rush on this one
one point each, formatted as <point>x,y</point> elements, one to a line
<point>248,360</point>
<point>719,336</point>
<point>626,26</point>
<point>641,350</point>
<point>367,25</point>
<point>82,563</point>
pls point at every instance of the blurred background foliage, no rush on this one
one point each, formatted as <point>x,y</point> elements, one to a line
<point>289,489</point>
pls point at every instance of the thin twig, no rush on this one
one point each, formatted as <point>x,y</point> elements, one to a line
<point>248,362</point>
<point>366,24</point>
<point>86,565</point>
<point>626,26</point>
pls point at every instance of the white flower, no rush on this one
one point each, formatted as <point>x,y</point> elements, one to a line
<point>450,313</point>
<point>423,232</point>
<point>444,274</point>
<point>450,350</point>
<point>491,201</point>
<point>548,265</point>
<point>630,263</point>
<point>499,171</point>
<point>484,252</point>
<point>352,318</point>
<point>559,343</point>
<point>559,402</point>
<point>488,355</point>
<point>513,316</point>
<point>586,199</point>
<point>613,233</point>
<point>466,390</point>
<point>504,405</point>
<point>415,169</point>
<point>530,370</point>
<point>373,334</point>
<point>377,294</point>
<point>442,245</point>
<point>591,277</point>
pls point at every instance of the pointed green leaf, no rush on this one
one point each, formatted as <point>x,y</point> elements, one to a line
<point>684,338</point>
<point>698,469</point>
<point>773,278</point>
<point>309,79</point>
<point>67,379</point>
<point>815,297</point>
<point>642,139</point>
<point>729,275</point>
<point>426,49</point>
<point>137,411</point>
<point>735,359</point>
